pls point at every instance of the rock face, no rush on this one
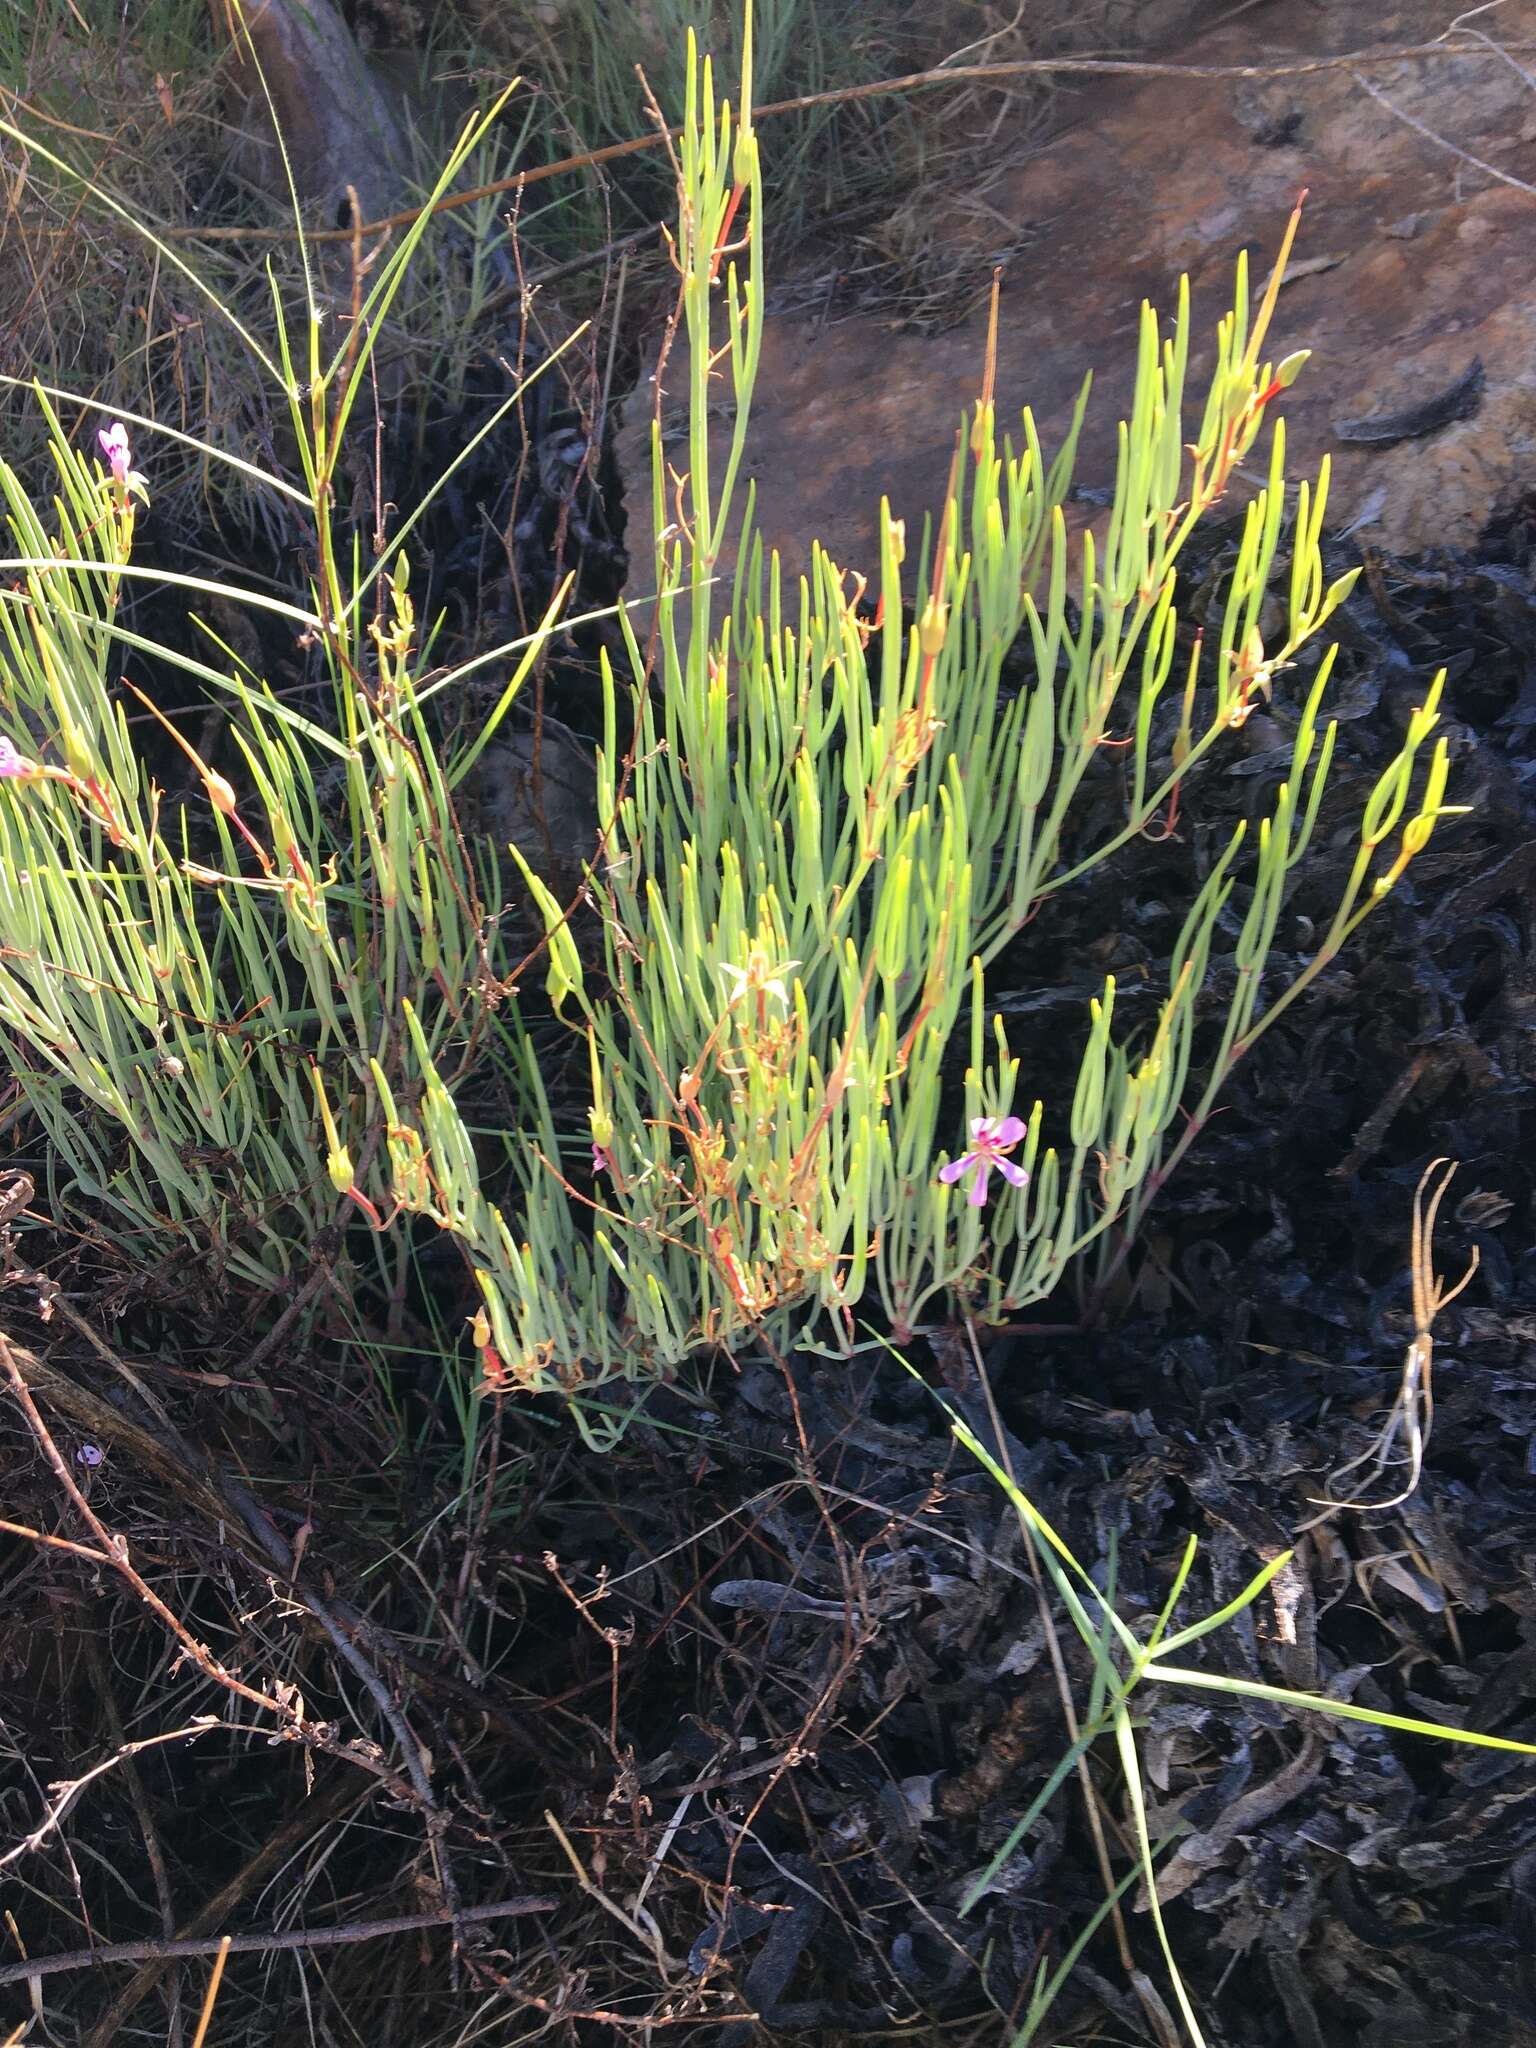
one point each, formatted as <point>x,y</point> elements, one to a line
<point>1414,261</point>
<point>541,799</point>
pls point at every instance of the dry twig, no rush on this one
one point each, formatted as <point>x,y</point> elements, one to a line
<point>915,81</point>
<point>267,1940</point>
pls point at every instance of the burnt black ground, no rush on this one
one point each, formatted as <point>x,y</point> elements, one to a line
<point>786,1676</point>
<point>1340,1885</point>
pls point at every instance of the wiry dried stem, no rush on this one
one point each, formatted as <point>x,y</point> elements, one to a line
<point>1412,1414</point>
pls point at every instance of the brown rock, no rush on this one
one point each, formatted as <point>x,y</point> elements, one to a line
<point>1429,264</point>
<point>542,800</point>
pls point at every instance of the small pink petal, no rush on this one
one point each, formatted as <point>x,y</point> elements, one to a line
<point>951,1173</point>
<point>114,445</point>
<point>1009,1131</point>
<point>12,763</point>
<point>981,1128</point>
<point>1010,1172</point>
<point>978,1194</point>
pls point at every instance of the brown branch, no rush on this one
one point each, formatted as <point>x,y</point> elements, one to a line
<point>54,1542</point>
<point>271,1551</point>
<point>227,1505</point>
<point>95,1416</point>
<point>264,1943</point>
<point>294,1726</point>
<point>1444,142</point>
<point>880,88</point>
<point>510,294</point>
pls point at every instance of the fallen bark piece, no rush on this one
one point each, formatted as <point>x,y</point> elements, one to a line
<point>1458,401</point>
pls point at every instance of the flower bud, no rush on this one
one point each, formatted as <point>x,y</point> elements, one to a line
<point>744,155</point>
<point>598,1115</point>
<point>220,793</point>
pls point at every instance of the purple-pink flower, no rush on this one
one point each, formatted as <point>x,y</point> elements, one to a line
<point>991,1137</point>
<point>14,764</point>
<point>114,445</point>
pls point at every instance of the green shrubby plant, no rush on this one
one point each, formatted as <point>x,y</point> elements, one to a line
<point>204,1011</point>
<point>255,1021</point>
<point>828,830</point>
<point>833,818</point>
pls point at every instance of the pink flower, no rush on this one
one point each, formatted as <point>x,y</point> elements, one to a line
<point>991,1137</point>
<point>114,445</point>
<point>15,765</point>
<point>601,1163</point>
